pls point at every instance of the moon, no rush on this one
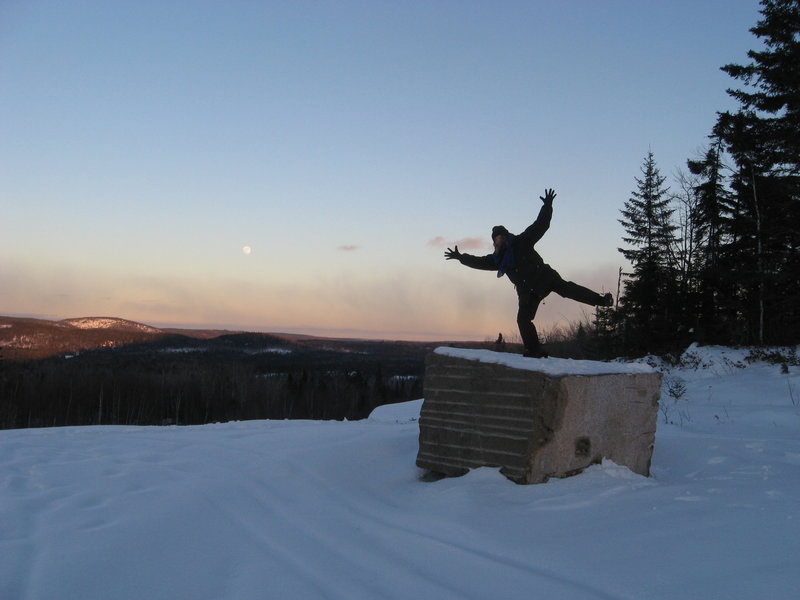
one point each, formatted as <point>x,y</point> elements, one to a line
<point>246,249</point>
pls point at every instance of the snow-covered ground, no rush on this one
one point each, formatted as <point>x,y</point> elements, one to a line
<point>301,510</point>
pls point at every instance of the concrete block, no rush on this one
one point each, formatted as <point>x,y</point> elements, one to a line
<point>534,418</point>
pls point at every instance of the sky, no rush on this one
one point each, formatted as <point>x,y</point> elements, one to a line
<point>302,166</point>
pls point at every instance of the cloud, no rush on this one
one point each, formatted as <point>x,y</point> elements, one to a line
<point>473,243</point>
<point>348,248</point>
<point>470,243</point>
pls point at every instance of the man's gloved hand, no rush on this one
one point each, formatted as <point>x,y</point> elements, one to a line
<point>549,196</point>
<point>452,254</point>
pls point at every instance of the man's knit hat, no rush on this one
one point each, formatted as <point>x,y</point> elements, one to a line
<point>499,230</point>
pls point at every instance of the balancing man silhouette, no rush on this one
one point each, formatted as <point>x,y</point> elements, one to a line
<point>515,256</point>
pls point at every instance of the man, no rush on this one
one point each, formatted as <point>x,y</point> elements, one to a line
<point>534,280</point>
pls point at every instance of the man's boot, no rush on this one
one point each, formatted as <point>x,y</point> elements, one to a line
<point>537,352</point>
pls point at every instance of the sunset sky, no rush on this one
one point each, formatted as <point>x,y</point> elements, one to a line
<point>144,144</point>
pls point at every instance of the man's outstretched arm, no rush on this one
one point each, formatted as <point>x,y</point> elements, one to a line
<point>485,263</point>
<point>542,223</point>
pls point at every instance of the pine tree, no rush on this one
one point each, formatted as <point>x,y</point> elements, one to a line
<point>712,219</point>
<point>604,340</point>
<point>649,300</point>
<point>764,140</point>
<point>770,110</point>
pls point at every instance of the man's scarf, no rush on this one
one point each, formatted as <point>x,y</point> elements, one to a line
<point>504,257</point>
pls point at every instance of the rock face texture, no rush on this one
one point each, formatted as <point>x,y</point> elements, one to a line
<point>534,418</point>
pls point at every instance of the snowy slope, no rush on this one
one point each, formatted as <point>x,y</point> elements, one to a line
<point>107,323</point>
<point>302,510</point>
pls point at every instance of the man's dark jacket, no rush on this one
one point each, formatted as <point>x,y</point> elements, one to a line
<point>530,274</point>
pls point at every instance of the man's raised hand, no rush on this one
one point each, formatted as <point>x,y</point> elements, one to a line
<point>549,196</point>
<point>452,254</point>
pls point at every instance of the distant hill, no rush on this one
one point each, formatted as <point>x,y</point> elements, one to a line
<point>39,338</point>
<point>27,338</point>
<point>108,323</point>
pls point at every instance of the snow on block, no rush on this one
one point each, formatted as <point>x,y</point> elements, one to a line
<point>534,418</point>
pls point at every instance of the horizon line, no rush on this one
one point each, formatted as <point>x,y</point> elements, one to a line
<point>319,332</point>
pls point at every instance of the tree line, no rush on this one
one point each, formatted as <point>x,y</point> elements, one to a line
<point>116,388</point>
<point>717,258</point>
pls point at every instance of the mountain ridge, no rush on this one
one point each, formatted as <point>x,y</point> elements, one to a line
<point>24,338</point>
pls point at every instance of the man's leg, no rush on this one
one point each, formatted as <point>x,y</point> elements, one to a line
<point>528,305</point>
<point>573,291</point>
